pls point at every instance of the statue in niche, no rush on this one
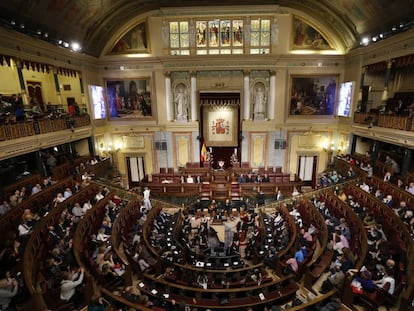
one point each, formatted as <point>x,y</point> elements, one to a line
<point>259,101</point>
<point>181,102</point>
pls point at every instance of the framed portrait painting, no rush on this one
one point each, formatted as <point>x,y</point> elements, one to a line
<point>220,125</point>
<point>313,95</point>
<point>129,98</point>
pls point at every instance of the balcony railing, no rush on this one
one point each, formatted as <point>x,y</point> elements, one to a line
<point>403,123</point>
<point>9,131</point>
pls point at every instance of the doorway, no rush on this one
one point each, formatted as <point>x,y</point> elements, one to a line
<point>307,169</point>
<point>136,170</point>
<point>35,94</point>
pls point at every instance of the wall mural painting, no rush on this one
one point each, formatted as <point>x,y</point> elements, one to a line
<point>305,37</point>
<point>134,41</point>
<point>313,95</point>
<point>129,98</point>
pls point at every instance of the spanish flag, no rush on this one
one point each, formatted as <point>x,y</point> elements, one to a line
<point>203,154</point>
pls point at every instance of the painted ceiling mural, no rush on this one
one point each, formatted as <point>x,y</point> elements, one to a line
<point>134,41</point>
<point>305,37</point>
<point>95,22</point>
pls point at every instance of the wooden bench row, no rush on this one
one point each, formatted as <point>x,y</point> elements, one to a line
<point>394,229</point>
<point>323,257</point>
<point>358,243</point>
<point>10,221</point>
<point>36,248</point>
<point>397,193</point>
<point>280,291</point>
<point>221,191</point>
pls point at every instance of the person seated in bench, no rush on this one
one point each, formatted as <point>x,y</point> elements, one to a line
<point>258,178</point>
<point>271,258</point>
<point>362,283</point>
<point>202,280</point>
<point>190,179</point>
<point>336,278</point>
<point>144,266</point>
<point>242,179</point>
<point>410,188</point>
<point>86,176</point>
<point>254,275</point>
<point>387,282</point>
<point>107,273</point>
<point>249,178</point>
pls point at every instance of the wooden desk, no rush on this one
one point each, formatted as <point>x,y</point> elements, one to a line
<point>220,175</point>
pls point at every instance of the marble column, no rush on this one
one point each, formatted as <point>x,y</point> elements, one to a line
<point>20,74</point>
<point>57,85</point>
<point>272,96</point>
<point>362,107</point>
<point>22,82</point>
<point>246,89</point>
<point>386,82</point>
<point>194,108</point>
<point>168,103</point>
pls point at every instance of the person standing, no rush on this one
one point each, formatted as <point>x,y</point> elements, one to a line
<point>68,287</point>
<point>7,294</point>
<point>146,200</point>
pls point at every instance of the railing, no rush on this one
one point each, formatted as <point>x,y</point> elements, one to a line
<point>403,123</point>
<point>9,131</point>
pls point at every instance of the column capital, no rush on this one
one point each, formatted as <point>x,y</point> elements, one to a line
<point>167,74</point>
<point>273,72</point>
<point>246,72</point>
<point>193,73</point>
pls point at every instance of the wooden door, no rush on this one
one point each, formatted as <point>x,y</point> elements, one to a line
<point>307,169</point>
<point>136,170</point>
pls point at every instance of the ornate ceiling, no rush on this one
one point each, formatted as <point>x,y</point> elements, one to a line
<point>94,22</point>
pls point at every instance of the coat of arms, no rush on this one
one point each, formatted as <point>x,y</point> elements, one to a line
<point>220,126</point>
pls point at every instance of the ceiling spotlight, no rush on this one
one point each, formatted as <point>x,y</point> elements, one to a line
<point>13,22</point>
<point>394,28</point>
<point>22,26</point>
<point>75,46</point>
<point>374,39</point>
<point>365,41</point>
<point>401,25</point>
<point>381,35</point>
<point>66,44</point>
<point>60,42</point>
<point>45,35</point>
<point>39,32</point>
